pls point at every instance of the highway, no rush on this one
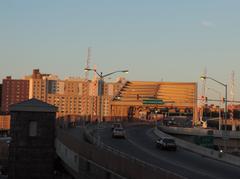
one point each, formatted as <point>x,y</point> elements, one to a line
<point>140,144</point>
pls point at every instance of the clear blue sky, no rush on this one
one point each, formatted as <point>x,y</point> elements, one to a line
<point>170,40</point>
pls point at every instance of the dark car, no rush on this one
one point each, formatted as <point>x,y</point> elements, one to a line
<point>166,143</point>
<point>118,133</point>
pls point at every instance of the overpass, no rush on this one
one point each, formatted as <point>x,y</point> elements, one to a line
<point>85,156</point>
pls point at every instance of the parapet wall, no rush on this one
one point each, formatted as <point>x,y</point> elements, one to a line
<point>198,149</point>
<point>201,132</point>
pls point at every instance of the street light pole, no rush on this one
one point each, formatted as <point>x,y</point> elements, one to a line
<point>101,91</point>
<point>225,108</point>
<point>219,109</point>
<point>225,111</point>
<point>101,87</point>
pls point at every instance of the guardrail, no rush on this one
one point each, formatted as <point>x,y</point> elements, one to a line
<point>199,149</point>
<point>113,162</point>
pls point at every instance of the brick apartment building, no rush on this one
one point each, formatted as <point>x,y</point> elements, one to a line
<point>74,96</point>
<point>78,98</point>
<point>31,152</point>
<point>13,91</point>
<point>0,98</point>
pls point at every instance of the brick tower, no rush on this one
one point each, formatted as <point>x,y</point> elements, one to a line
<point>31,152</point>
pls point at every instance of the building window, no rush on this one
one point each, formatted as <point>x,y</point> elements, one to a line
<point>33,128</point>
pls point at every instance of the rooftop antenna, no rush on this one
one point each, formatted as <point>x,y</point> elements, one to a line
<point>232,90</point>
<point>88,63</point>
<point>86,88</point>
<point>95,74</point>
<point>204,86</point>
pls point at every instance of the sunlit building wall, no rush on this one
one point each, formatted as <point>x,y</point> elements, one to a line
<point>13,91</point>
<point>176,97</point>
<point>0,98</point>
<point>68,97</point>
<point>38,85</point>
<point>4,122</point>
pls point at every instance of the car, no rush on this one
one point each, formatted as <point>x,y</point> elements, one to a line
<point>118,132</point>
<point>166,143</point>
<point>116,125</point>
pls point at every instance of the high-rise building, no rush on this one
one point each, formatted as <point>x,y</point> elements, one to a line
<point>67,96</point>
<point>79,98</point>
<point>38,84</point>
<point>111,89</point>
<point>0,98</point>
<point>73,96</point>
<point>13,91</point>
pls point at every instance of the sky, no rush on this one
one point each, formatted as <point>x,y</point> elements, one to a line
<point>156,40</point>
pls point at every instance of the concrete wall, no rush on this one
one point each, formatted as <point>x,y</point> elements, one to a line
<point>81,167</point>
<point>199,149</point>
<point>200,132</point>
<point>70,157</point>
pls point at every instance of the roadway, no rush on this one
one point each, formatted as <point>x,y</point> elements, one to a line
<point>140,144</point>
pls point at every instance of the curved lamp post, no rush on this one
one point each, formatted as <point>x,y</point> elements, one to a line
<point>101,86</point>
<point>225,101</point>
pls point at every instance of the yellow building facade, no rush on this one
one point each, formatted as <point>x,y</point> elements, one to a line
<point>140,99</point>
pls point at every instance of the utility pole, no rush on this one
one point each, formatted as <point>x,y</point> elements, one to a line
<point>93,104</point>
<point>203,101</point>
<point>232,95</point>
<point>224,134</point>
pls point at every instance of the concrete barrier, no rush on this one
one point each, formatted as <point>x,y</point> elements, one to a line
<point>201,132</point>
<point>199,149</point>
<point>81,167</point>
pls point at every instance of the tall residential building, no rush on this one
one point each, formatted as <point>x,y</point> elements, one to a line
<point>73,96</point>
<point>38,84</point>
<point>79,98</point>
<point>67,96</point>
<point>76,97</point>
<point>0,98</point>
<point>111,90</point>
<point>13,91</point>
